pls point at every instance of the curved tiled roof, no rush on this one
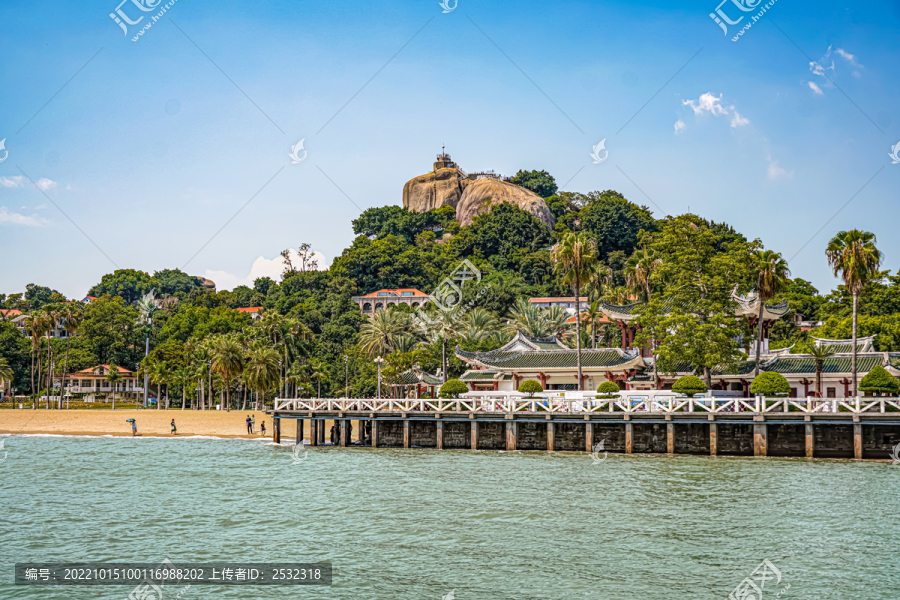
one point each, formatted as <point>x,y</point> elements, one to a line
<point>411,377</point>
<point>799,363</point>
<point>552,359</point>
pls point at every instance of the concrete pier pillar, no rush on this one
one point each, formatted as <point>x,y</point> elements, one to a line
<point>810,441</point>
<point>406,433</point>
<point>510,435</point>
<point>629,434</point>
<point>550,436</point>
<point>299,432</point>
<point>760,439</point>
<point>589,437</point>
<point>374,433</point>
<point>713,440</point>
<point>670,438</point>
<point>313,432</point>
<point>276,430</point>
<point>439,429</point>
<point>344,434</point>
<point>474,434</point>
<point>857,441</point>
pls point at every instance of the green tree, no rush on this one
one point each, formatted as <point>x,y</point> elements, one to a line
<point>615,222</point>
<point>772,274</point>
<point>174,282</point>
<point>689,385</point>
<point>38,296</point>
<point>693,317</point>
<point>819,354</point>
<point>110,330</point>
<point>113,377</point>
<point>379,336</point>
<point>128,284</point>
<point>608,389</point>
<point>879,381</point>
<point>540,182</point>
<point>452,388</point>
<point>262,370</point>
<point>575,257</point>
<point>853,256</point>
<point>390,262</point>
<point>770,384</point>
<point>71,315</point>
<point>530,387</point>
<point>227,362</point>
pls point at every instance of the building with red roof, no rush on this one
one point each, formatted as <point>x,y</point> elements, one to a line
<point>383,298</point>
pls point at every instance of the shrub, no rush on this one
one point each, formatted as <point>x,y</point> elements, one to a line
<point>770,384</point>
<point>689,385</point>
<point>530,386</point>
<point>607,389</point>
<point>879,381</point>
<point>453,388</point>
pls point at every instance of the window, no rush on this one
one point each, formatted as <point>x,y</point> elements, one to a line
<point>407,293</point>
<point>367,307</point>
<point>832,393</point>
<point>383,294</point>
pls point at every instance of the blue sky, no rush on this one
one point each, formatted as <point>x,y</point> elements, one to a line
<point>153,146</point>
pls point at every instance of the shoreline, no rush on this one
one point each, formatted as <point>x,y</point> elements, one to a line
<point>150,423</point>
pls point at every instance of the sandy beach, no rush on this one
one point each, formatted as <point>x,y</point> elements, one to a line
<point>150,422</point>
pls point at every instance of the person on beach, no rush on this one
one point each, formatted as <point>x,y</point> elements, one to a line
<point>252,422</point>
<point>249,428</point>
<point>262,429</point>
<point>174,430</point>
<point>133,428</point>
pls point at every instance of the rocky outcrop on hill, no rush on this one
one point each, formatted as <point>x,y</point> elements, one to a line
<point>483,194</point>
<point>434,190</point>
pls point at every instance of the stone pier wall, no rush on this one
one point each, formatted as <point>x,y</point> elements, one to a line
<point>735,440</point>
<point>422,434</point>
<point>492,436</point>
<point>649,438</point>
<point>390,434</point>
<point>691,438</point>
<point>880,440</point>
<point>833,441</point>
<point>612,436</point>
<point>787,440</point>
<point>531,436</point>
<point>568,437</point>
<point>457,435</point>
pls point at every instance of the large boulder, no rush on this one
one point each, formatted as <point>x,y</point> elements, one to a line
<point>434,190</point>
<point>481,195</point>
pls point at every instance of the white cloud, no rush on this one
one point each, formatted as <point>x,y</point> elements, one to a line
<point>12,182</point>
<point>713,104</point>
<point>19,219</point>
<point>706,102</point>
<point>776,172</point>
<point>819,69</point>
<point>738,120</point>
<point>261,267</point>
<point>814,87</point>
<point>45,184</point>
<point>849,57</point>
<point>680,126</point>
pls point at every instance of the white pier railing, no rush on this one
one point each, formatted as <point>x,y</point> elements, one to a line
<point>625,403</point>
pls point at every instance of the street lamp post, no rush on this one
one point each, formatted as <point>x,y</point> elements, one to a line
<point>378,362</point>
<point>146,354</point>
<point>209,364</point>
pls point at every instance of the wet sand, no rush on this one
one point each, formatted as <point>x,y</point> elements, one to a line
<point>150,422</point>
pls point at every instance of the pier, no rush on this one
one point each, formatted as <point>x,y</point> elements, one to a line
<point>860,428</point>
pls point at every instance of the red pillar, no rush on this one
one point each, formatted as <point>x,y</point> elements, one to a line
<point>746,385</point>
<point>630,337</point>
<point>543,379</point>
<point>496,385</point>
<point>806,388</point>
<point>624,336</point>
<point>846,383</point>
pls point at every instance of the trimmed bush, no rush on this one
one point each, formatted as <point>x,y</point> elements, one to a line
<point>530,386</point>
<point>453,388</point>
<point>607,389</point>
<point>879,381</point>
<point>770,384</point>
<point>689,385</point>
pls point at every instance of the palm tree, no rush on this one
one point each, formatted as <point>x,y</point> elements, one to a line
<point>378,336</point>
<point>33,326</point>
<point>639,269</point>
<point>51,316</point>
<point>318,372</point>
<point>819,354</point>
<point>853,255</point>
<point>183,377</point>
<point>771,279</point>
<point>575,256</point>
<point>477,324</point>
<point>227,361</point>
<point>262,369</point>
<point>6,373</point>
<point>72,314</point>
<point>159,374</point>
<point>535,322</point>
<point>113,377</point>
<point>442,325</point>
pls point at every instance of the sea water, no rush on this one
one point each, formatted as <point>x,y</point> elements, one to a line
<point>420,524</point>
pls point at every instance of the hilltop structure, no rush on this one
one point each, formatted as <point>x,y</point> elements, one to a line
<point>471,194</point>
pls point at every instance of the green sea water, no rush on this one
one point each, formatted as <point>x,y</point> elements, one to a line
<point>420,524</point>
